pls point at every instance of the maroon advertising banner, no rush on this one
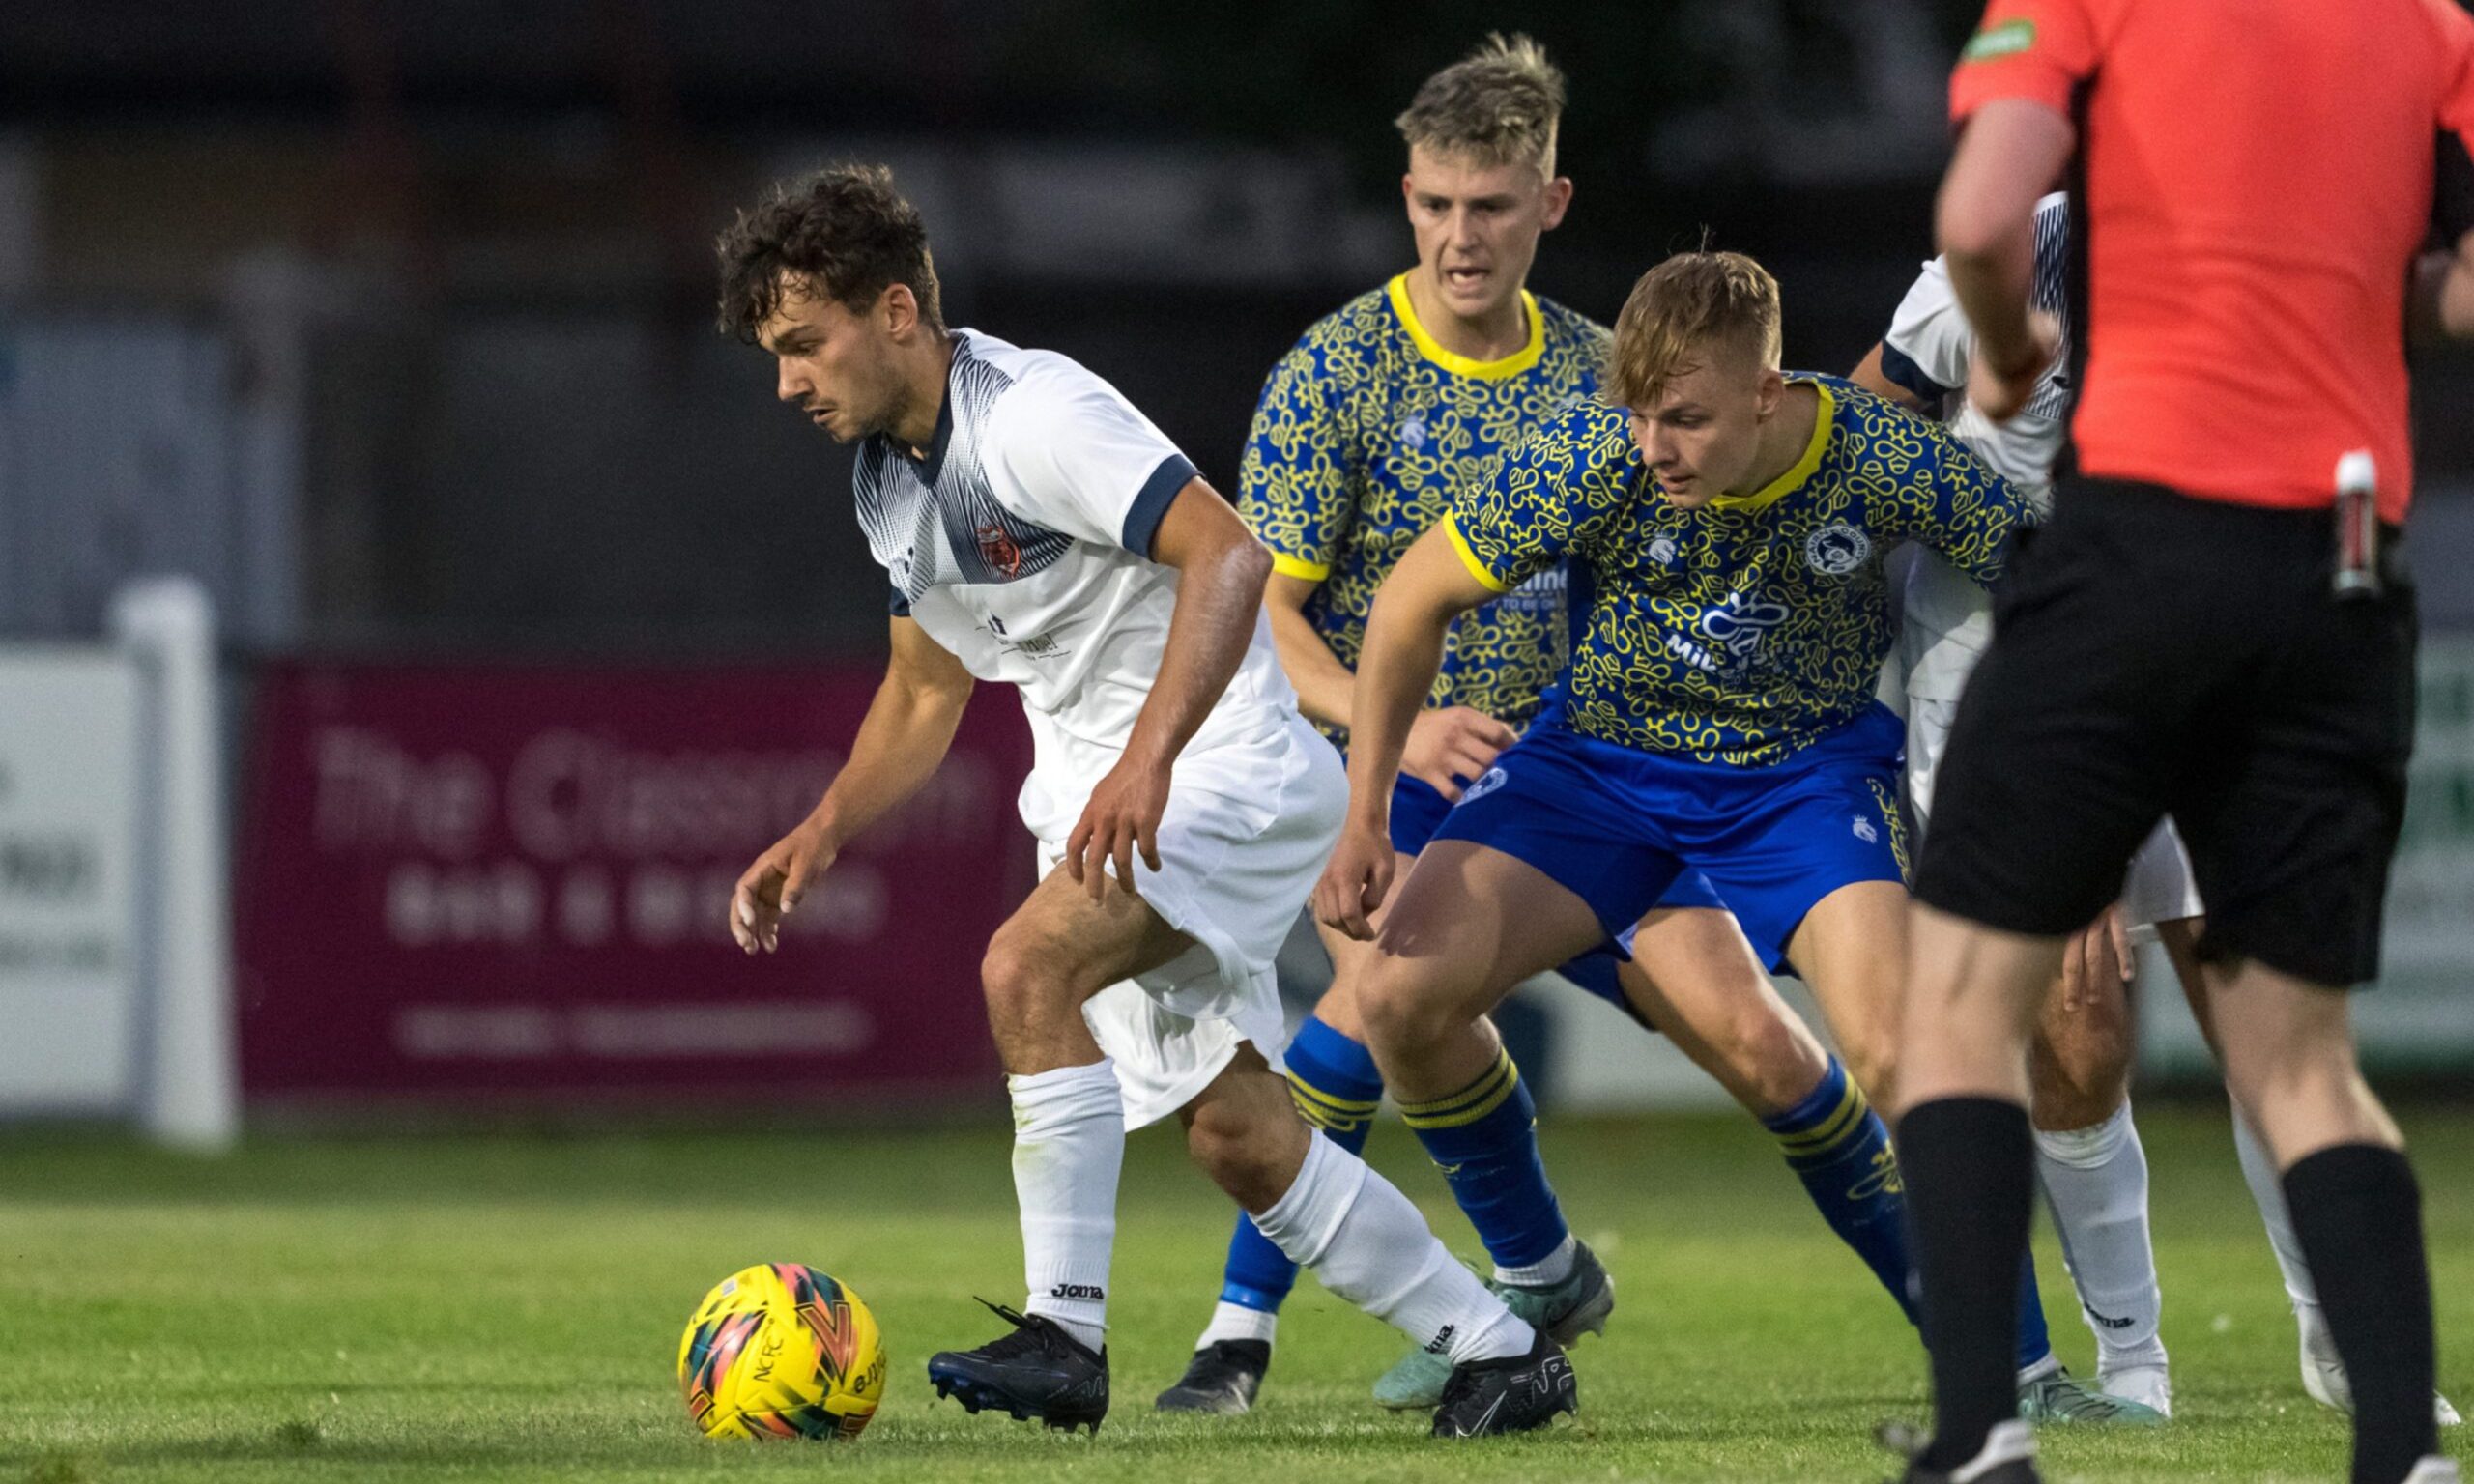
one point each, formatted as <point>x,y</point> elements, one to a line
<point>463,884</point>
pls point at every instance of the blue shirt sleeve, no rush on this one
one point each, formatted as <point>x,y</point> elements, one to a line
<point>1551,496</point>
<point>1293,487</point>
<point>1952,502</point>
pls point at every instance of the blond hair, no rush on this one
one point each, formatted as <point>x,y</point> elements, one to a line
<point>1498,105</point>
<point>1684,311</point>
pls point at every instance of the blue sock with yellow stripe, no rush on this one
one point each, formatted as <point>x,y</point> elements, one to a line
<point>1840,1149</point>
<point>1336,1089</point>
<point>1484,1138</point>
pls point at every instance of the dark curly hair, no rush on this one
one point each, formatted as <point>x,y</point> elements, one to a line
<point>843,232</point>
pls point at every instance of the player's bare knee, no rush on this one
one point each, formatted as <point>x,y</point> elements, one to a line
<point>1397,1010</point>
<point>1339,1007</point>
<point>2078,1082</point>
<point>1022,979</point>
<point>1246,1147</point>
<point>1871,1058</point>
<point>1776,1058</point>
<point>2060,1105</point>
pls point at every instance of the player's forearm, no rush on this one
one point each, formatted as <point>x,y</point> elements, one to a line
<point>1218,595</point>
<point>2443,297</point>
<point>908,730</point>
<point>1869,375</point>
<point>1991,280</point>
<point>1326,688</point>
<point>1404,640</point>
<point>1984,220</point>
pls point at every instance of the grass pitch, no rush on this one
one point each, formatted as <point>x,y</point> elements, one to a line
<point>508,1309</point>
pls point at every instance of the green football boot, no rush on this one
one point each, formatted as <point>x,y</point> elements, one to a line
<point>2057,1396</point>
<point>1565,1311</point>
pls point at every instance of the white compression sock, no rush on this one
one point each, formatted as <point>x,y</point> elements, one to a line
<point>1236,1321</point>
<point>2267,1189</point>
<point>1069,1141</point>
<point>1369,1244</point>
<point>2096,1180</point>
<point>1552,1269</point>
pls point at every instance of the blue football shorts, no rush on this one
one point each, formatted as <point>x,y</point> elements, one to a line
<point>1418,811</point>
<point>1620,827</point>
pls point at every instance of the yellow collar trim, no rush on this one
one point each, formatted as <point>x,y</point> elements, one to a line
<point>1458,364</point>
<point>1824,417</point>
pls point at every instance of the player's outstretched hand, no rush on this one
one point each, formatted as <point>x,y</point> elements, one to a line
<point>2001,392</point>
<point>2096,959</point>
<point>1355,883</point>
<point>774,885</point>
<point>1452,743</point>
<point>1122,816</point>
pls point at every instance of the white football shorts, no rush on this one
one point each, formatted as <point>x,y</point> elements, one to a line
<point>1250,824</point>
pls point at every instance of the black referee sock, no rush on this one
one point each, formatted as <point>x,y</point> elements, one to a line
<point>1969,1164</point>
<point>2360,1216</point>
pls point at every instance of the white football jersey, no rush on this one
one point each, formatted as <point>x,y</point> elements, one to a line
<point>1927,351</point>
<point>1021,541</point>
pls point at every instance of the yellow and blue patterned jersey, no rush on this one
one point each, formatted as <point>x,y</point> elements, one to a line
<point>1743,630</point>
<point>1364,430</point>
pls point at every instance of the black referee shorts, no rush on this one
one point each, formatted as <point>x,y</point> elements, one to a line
<point>2154,653</point>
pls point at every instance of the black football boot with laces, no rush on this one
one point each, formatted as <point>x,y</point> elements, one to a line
<point>1510,1394</point>
<point>1038,1371</point>
<point>1221,1378</point>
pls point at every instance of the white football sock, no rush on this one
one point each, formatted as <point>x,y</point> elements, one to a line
<point>1236,1321</point>
<point>2267,1189</point>
<point>2095,1181</point>
<point>1069,1141</point>
<point>1552,1269</point>
<point>1366,1244</point>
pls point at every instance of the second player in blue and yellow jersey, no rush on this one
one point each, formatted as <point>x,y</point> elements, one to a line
<point>1724,526</point>
<point>1364,430</point>
<point>1741,630</point>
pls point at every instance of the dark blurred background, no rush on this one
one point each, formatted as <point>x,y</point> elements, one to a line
<point>392,321</point>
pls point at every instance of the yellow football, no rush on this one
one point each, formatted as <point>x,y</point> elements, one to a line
<point>781,1350</point>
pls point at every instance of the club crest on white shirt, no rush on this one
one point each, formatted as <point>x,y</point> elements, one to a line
<point>999,549</point>
<point>1837,549</point>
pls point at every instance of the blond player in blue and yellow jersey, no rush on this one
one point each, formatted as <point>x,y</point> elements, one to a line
<point>1722,525</point>
<point>1365,431</point>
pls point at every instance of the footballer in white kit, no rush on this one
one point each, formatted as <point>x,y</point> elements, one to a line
<point>2088,1160</point>
<point>1036,529</point>
<point>1013,542</point>
<point>1946,620</point>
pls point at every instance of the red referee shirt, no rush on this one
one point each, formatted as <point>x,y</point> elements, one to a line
<point>2258,179</point>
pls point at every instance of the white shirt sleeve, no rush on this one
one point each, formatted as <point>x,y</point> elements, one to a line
<point>1068,451</point>
<point>1929,342</point>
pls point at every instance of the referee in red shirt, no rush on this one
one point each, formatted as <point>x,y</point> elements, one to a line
<point>2209,626</point>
